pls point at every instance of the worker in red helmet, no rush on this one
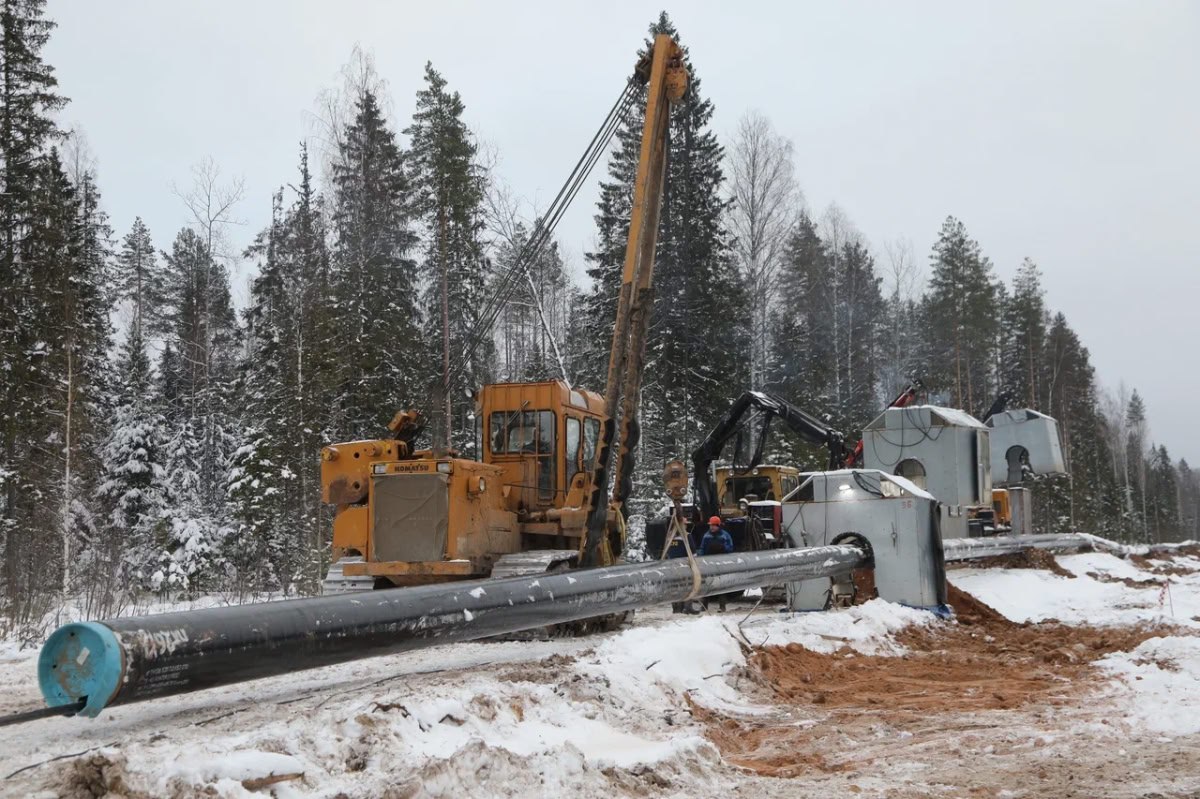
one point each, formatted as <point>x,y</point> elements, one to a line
<point>716,541</point>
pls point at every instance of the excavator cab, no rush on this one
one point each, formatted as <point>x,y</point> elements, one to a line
<point>767,482</point>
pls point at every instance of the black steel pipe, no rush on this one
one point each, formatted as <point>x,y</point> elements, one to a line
<point>131,659</point>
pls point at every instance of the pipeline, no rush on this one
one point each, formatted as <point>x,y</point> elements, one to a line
<point>117,661</point>
<point>959,549</point>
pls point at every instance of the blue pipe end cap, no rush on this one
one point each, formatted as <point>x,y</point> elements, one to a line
<point>81,661</point>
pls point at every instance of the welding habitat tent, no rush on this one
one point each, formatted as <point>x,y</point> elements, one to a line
<point>1024,442</point>
<point>944,451</point>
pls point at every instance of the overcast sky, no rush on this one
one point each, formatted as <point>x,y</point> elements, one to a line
<point>1068,132</point>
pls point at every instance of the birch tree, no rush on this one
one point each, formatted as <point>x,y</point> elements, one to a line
<point>765,200</point>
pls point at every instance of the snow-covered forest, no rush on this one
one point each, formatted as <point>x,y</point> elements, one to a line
<point>154,436</point>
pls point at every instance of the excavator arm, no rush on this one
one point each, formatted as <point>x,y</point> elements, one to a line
<point>809,428</point>
<point>665,76</point>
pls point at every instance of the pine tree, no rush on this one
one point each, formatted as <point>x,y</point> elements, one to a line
<point>382,353</point>
<point>1135,459</point>
<point>448,188</point>
<point>1025,335</point>
<point>960,313</point>
<point>139,281</point>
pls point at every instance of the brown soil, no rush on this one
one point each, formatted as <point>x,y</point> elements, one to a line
<point>983,664</point>
<point>864,585</point>
<point>1148,582</point>
<point>1025,559</point>
<point>1167,569</point>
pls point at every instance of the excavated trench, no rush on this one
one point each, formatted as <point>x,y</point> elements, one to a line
<point>955,677</point>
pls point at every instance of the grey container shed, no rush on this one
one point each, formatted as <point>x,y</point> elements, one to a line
<point>945,451</point>
<point>1024,443</point>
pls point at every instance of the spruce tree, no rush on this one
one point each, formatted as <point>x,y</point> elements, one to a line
<point>1136,457</point>
<point>1162,492</point>
<point>448,188</point>
<point>274,475</point>
<point>859,309</point>
<point>28,100</point>
<point>382,355</point>
<point>534,329</point>
<point>132,493</point>
<point>199,369</point>
<point>802,346</point>
<point>961,318</point>
<point>1089,499</point>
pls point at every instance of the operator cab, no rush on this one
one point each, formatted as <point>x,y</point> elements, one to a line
<point>759,483</point>
<point>542,435</point>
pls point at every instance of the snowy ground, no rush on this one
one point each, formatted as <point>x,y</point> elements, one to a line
<point>877,700</point>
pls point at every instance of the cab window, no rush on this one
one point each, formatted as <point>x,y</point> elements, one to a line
<point>522,432</point>
<point>574,439</point>
<point>528,433</point>
<point>591,439</point>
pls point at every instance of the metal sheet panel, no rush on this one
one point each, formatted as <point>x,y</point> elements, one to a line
<point>409,514</point>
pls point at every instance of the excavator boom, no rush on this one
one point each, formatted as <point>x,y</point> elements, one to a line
<point>666,80</point>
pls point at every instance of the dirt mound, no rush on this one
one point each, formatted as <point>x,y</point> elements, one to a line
<point>1147,582</point>
<point>957,672</point>
<point>970,611</point>
<point>1163,563</point>
<point>1024,559</point>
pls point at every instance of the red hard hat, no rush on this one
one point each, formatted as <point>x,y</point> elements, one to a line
<point>715,520</point>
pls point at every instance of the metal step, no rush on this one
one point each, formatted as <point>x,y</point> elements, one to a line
<point>337,583</point>
<point>535,561</point>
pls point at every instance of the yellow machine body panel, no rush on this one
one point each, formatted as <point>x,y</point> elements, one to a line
<point>1002,507</point>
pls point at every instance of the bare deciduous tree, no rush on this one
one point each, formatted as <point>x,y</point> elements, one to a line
<point>548,294</point>
<point>766,199</point>
<point>337,106</point>
<point>902,289</point>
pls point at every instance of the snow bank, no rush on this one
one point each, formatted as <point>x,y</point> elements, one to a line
<point>868,628</point>
<point>1106,590</point>
<point>1163,677</point>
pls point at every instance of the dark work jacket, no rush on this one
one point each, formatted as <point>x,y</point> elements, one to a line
<point>719,544</point>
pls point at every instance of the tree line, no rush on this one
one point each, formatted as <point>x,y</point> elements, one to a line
<point>156,437</point>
